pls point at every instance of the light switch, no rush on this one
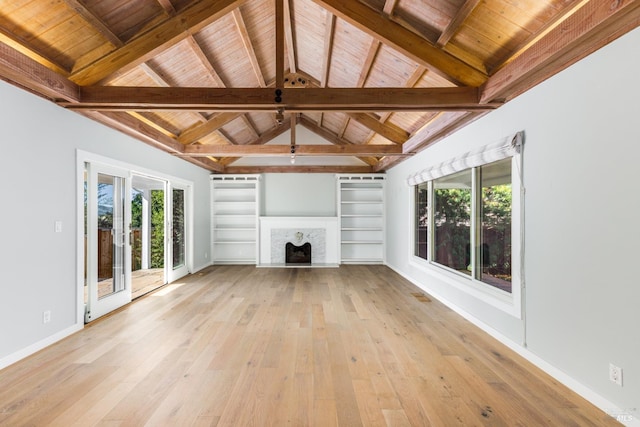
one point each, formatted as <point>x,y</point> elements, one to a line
<point>58,226</point>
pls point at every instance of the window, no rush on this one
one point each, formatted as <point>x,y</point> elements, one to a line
<point>467,221</point>
<point>422,219</point>
<point>495,235</point>
<point>452,221</point>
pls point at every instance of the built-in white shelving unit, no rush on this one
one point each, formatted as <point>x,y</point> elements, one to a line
<point>361,213</point>
<point>235,207</point>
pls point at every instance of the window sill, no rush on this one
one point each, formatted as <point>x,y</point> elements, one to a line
<point>504,301</point>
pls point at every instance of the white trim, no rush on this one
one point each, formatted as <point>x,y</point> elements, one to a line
<point>37,346</point>
<point>85,156</point>
<point>570,382</point>
<point>510,303</point>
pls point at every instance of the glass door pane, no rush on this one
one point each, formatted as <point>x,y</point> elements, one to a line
<point>111,238</point>
<point>147,234</point>
<point>178,229</point>
<point>107,221</point>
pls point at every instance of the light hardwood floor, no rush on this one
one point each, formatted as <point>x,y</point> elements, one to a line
<point>241,346</point>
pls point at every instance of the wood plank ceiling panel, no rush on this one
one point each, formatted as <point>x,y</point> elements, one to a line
<point>48,45</point>
<point>179,66</point>
<point>309,29</point>
<point>125,18</point>
<point>214,138</point>
<point>427,18</point>
<point>262,122</point>
<point>495,29</point>
<point>55,34</point>
<point>390,69</point>
<point>333,122</point>
<point>222,44</point>
<point>238,132</point>
<point>356,132</point>
<point>350,48</point>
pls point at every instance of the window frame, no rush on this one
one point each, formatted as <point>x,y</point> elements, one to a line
<point>510,303</point>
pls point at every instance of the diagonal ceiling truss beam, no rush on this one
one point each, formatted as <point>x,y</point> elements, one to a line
<point>161,37</point>
<point>405,41</point>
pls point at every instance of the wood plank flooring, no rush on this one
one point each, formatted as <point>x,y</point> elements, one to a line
<point>242,346</point>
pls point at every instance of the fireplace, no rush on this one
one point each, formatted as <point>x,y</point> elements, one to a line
<point>298,254</point>
<point>322,233</point>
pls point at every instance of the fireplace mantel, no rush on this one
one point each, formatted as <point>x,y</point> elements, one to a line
<point>321,232</point>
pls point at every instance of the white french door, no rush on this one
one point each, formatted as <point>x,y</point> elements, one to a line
<point>108,250</point>
<point>177,231</point>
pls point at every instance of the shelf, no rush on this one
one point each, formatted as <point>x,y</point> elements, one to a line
<point>361,208</point>
<point>363,202</point>
<point>235,201</point>
<point>362,229</point>
<point>234,228</point>
<point>234,215</point>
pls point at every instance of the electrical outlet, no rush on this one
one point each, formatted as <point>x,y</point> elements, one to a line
<point>46,316</point>
<point>615,374</point>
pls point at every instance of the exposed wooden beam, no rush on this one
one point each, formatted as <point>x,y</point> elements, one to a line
<point>289,38</point>
<point>407,42</point>
<point>162,81</point>
<point>197,50</point>
<point>157,39</point>
<point>389,6</point>
<point>168,7</point>
<point>300,150</point>
<point>94,21</point>
<point>457,21</point>
<point>390,131</point>
<point>328,48</point>
<point>20,45</point>
<point>264,138</point>
<point>293,100</point>
<point>25,72</point>
<point>297,169</point>
<point>333,138</point>
<point>252,130</point>
<point>279,44</point>
<point>368,63</point>
<point>193,134</point>
<point>131,126</point>
<point>549,24</point>
<point>588,29</point>
<point>248,47</point>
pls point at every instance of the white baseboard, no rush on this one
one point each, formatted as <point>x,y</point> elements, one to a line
<point>596,399</point>
<point>201,267</point>
<point>35,347</point>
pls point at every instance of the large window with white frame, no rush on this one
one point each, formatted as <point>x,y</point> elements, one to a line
<point>467,220</point>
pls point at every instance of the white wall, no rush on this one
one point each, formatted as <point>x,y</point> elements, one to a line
<point>38,183</point>
<point>297,194</point>
<point>581,159</point>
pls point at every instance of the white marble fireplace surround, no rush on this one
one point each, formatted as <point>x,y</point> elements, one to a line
<point>321,232</point>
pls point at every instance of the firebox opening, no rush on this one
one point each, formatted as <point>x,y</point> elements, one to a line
<point>298,254</point>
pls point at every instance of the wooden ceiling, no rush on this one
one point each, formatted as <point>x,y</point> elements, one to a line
<point>221,82</point>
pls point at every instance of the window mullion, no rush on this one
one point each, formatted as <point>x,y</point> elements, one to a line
<point>476,226</point>
<point>431,225</point>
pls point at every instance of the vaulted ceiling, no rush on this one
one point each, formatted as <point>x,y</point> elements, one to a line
<point>347,86</point>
